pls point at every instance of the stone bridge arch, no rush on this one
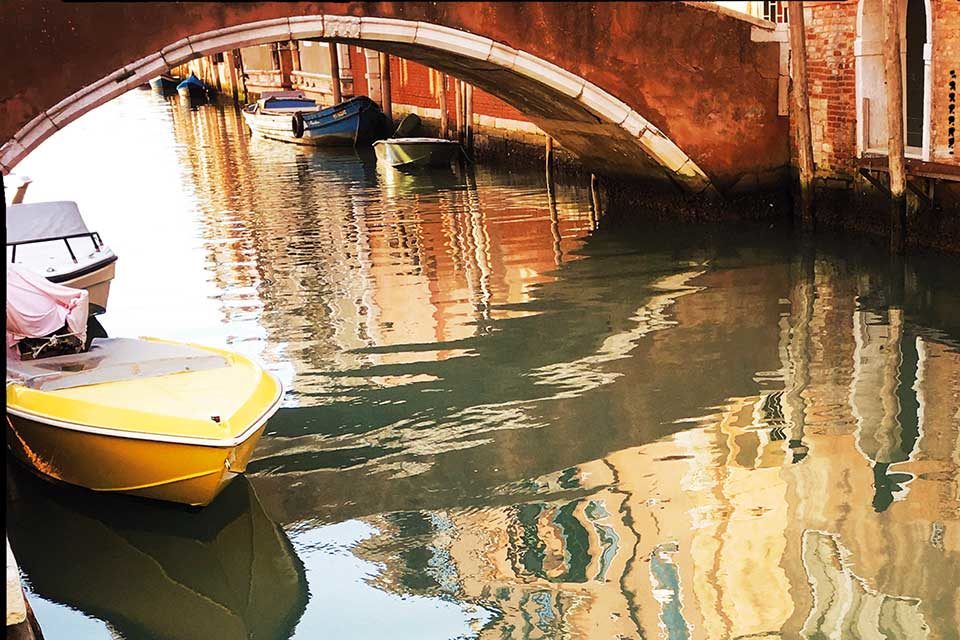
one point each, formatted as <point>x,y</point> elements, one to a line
<point>604,130</point>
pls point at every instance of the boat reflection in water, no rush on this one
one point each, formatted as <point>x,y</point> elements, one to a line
<point>152,570</point>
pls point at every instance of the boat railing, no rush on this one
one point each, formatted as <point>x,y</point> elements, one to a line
<point>93,235</point>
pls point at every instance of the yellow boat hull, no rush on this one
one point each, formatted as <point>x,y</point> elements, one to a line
<point>175,472</point>
<point>179,436</point>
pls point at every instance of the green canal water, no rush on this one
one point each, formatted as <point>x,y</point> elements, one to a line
<point>501,420</point>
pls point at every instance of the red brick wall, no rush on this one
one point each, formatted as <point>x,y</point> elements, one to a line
<point>358,68</point>
<point>417,85</point>
<point>831,78</point>
<point>946,58</point>
<point>831,31</point>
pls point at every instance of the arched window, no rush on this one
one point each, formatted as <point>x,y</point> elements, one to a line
<point>916,36</point>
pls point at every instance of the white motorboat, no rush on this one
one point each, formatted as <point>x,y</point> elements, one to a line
<point>52,239</point>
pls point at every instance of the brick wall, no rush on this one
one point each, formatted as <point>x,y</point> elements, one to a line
<point>831,71</point>
<point>946,59</point>
<point>831,65</point>
<point>416,88</point>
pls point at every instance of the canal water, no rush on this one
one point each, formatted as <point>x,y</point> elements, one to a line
<point>501,420</point>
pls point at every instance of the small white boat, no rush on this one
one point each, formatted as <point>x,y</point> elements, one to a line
<point>52,239</point>
<point>272,115</point>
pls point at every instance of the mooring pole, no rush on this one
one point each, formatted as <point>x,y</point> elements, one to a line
<point>595,199</point>
<point>893,81</point>
<point>458,98</point>
<point>801,114</point>
<point>335,72</point>
<point>238,54</point>
<point>549,160</point>
<point>444,120</point>
<point>468,115</point>
<point>385,87</point>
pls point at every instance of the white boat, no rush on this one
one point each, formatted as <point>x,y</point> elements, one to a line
<point>52,239</point>
<point>272,115</point>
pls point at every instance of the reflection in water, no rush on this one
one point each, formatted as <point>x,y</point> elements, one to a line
<point>504,422</point>
<point>845,606</point>
<point>157,571</point>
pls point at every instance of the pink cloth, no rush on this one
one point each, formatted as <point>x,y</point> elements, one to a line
<point>37,307</point>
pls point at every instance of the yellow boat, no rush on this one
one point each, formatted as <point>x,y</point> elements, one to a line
<point>149,417</point>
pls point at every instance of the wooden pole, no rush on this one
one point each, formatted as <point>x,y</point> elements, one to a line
<point>468,115</point>
<point>893,81</point>
<point>335,72</point>
<point>595,199</point>
<point>801,112</point>
<point>444,120</point>
<point>386,98</point>
<point>549,160</point>
<point>241,81</point>
<point>458,98</point>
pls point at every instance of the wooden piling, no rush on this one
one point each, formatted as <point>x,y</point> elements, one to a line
<point>468,116</point>
<point>595,199</point>
<point>335,73</point>
<point>444,120</point>
<point>801,114</point>
<point>241,77</point>
<point>893,81</point>
<point>385,87</point>
<point>548,160</point>
<point>231,64</point>
<point>458,99</point>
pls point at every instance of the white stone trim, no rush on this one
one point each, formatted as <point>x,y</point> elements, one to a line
<point>265,32</point>
<point>303,27</point>
<point>338,26</point>
<point>389,30</point>
<point>380,30</point>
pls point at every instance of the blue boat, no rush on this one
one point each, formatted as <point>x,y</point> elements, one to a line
<point>192,88</point>
<point>165,84</point>
<point>357,121</point>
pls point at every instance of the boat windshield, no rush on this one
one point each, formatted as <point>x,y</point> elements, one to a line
<point>111,360</point>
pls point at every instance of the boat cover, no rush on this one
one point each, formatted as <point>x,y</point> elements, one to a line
<point>43,221</point>
<point>111,360</point>
<point>37,307</point>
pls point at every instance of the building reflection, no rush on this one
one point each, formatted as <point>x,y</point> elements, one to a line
<point>798,479</point>
<point>366,272</point>
<point>766,518</point>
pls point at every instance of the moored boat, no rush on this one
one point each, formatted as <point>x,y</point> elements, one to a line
<point>193,89</point>
<point>272,116</point>
<point>357,121</point>
<point>52,239</point>
<point>148,417</point>
<point>412,153</point>
<point>165,84</point>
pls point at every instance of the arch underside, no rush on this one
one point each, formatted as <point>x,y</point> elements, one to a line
<point>606,134</point>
